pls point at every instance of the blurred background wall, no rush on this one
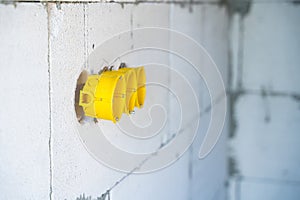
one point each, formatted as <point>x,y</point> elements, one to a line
<point>255,44</point>
<point>264,131</point>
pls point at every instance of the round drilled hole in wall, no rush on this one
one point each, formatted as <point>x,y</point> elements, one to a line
<point>79,85</point>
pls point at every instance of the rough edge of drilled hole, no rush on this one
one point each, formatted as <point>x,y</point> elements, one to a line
<point>79,85</point>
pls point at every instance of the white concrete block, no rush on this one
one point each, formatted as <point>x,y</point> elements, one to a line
<point>151,15</point>
<point>266,141</point>
<point>168,183</point>
<point>210,34</point>
<point>24,111</point>
<point>213,169</point>
<point>215,37</point>
<point>269,190</point>
<point>129,18</point>
<point>106,20</point>
<point>75,171</point>
<point>207,25</point>
<point>189,24</point>
<point>271,44</point>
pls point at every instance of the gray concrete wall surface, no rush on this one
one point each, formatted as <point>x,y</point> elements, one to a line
<point>45,45</point>
<point>264,131</point>
<point>44,48</point>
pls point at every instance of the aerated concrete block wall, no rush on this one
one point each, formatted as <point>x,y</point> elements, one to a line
<point>44,46</point>
<point>264,133</point>
<point>43,49</point>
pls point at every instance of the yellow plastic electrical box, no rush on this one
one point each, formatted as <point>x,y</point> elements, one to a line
<point>141,86</point>
<point>113,92</point>
<point>103,96</point>
<point>131,88</point>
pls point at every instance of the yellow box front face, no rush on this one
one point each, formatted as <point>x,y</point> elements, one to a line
<point>103,96</point>
<point>111,93</point>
